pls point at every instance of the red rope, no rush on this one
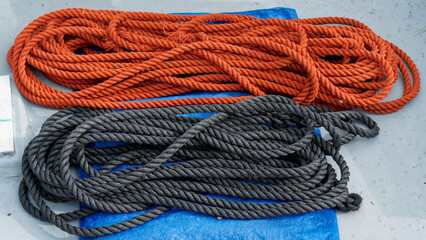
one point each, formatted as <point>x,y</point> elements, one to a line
<point>148,55</point>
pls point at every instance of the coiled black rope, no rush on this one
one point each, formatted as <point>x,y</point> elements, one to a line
<point>260,148</point>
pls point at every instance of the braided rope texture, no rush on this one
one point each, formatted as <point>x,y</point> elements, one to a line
<point>259,148</point>
<point>333,62</point>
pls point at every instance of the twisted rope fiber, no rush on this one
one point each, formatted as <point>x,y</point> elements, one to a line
<point>148,55</point>
<point>260,148</point>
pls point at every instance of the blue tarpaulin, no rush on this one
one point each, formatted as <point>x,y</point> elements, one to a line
<point>179,224</point>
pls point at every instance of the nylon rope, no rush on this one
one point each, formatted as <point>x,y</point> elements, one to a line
<point>260,148</point>
<point>335,62</point>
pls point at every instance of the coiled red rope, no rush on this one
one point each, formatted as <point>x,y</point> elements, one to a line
<point>148,55</point>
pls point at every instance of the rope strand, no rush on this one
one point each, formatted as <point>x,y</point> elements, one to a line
<point>260,148</point>
<point>137,55</point>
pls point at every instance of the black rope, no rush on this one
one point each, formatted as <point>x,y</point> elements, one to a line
<point>261,148</point>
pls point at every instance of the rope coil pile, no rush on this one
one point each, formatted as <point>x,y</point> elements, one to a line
<point>148,55</point>
<point>260,148</point>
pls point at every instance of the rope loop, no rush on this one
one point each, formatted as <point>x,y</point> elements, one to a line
<point>113,57</point>
<point>262,148</point>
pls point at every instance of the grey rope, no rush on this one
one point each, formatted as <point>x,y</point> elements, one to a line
<point>260,148</point>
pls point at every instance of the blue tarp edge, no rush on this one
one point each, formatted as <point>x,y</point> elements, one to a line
<point>180,224</point>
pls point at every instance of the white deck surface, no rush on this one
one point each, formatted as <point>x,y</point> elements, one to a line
<point>388,171</point>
